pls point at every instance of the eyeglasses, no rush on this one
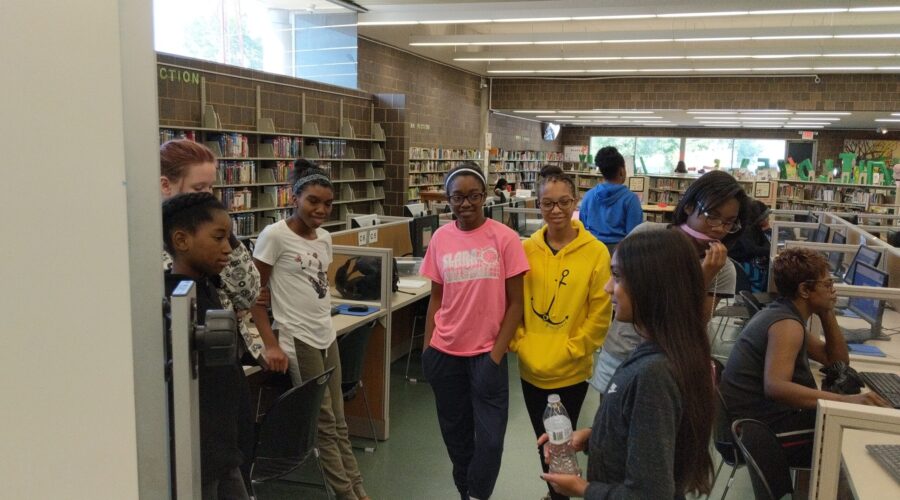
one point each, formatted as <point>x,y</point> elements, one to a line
<point>828,282</point>
<point>564,204</point>
<point>715,221</point>
<point>458,199</point>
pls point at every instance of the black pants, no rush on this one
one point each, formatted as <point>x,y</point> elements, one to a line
<point>472,396</point>
<point>571,398</point>
<point>796,433</point>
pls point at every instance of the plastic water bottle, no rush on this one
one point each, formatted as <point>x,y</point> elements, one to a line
<point>559,430</point>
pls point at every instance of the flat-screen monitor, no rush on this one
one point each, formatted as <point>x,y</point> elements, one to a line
<point>836,259</point>
<point>420,231</point>
<point>550,131</point>
<point>870,310</point>
<point>494,212</point>
<point>364,220</point>
<point>822,233</point>
<point>414,209</point>
<point>865,255</point>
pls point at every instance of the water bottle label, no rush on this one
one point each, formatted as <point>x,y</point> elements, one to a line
<point>559,429</point>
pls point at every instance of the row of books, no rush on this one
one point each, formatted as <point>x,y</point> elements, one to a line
<point>243,224</point>
<point>332,148</point>
<point>440,153</point>
<point>663,183</point>
<point>413,193</point>
<point>236,172</point>
<point>235,199</point>
<point>166,135</point>
<point>430,179</point>
<point>232,145</point>
<point>515,167</point>
<point>286,147</point>
<point>416,166</point>
<point>500,155</point>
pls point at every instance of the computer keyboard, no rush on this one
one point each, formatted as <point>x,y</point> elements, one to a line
<point>888,455</point>
<point>886,385</point>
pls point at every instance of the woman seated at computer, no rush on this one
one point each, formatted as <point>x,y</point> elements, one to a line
<point>768,377</point>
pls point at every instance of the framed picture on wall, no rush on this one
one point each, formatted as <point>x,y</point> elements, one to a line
<point>762,189</point>
<point>636,184</point>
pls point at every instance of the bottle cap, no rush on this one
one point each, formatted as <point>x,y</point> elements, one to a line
<point>553,398</point>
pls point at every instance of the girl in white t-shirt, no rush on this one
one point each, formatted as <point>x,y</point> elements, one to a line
<point>293,256</point>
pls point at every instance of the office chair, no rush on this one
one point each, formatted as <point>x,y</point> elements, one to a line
<point>352,347</point>
<point>286,437</point>
<point>723,441</point>
<point>753,304</point>
<point>769,471</point>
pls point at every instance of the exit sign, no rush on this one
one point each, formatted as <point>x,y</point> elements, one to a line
<point>807,135</point>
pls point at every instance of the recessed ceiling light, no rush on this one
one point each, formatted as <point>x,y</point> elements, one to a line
<point>837,113</point>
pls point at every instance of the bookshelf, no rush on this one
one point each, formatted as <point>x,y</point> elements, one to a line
<point>520,168</point>
<point>668,189</point>
<point>254,167</point>
<point>831,196</point>
<point>585,177</point>
<point>427,167</point>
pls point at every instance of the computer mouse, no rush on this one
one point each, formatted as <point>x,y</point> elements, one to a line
<point>357,309</point>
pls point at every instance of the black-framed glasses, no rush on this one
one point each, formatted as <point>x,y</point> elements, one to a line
<point>563,204</point>
<point>828,282</point>
<point>458,199</point>
<point>715,221</point>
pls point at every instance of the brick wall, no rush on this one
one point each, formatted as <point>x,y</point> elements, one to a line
<point>515,134</point>
<point>866,92</point>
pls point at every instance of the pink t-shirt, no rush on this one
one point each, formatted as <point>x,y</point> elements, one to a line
<point>473,267</point>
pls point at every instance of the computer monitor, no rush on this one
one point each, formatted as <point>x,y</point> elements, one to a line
<point>414,209</point>
<point>420,231</point>
<point>870,310</point>
<point>494,212</point>
<point>865,255</point>
<point>836,259</point>
<point>822,233</point>
<point>364,220</point>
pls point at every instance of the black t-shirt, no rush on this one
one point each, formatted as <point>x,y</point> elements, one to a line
<point>221,394</point>
<point>743,382</point>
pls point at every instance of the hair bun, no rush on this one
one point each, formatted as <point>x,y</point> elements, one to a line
<point>548,170</point>
<point>187,201</point>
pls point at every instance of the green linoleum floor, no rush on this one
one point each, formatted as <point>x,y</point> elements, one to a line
<point>413,463</point>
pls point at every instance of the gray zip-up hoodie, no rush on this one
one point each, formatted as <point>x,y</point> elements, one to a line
<point>632,445</point>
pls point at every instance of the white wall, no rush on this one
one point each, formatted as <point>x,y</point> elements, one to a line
<point>67,126</point>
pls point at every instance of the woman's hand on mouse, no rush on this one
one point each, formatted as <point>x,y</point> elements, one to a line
<point>715,258</point>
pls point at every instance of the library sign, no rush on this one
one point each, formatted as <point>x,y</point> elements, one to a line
<point>179,75</point>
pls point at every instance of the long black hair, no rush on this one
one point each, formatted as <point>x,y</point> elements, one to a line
<point>666,289</point>
<point>709,192</point>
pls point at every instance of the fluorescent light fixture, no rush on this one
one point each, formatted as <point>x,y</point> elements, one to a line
<point>610,70</point>
<point>535,112</point>
<point>613,18</point>
<point>386,23</point>
<point>458,21</point>
<point>592,58</point>
<point>718,57</point>
<point>561,71</point>
<point>803,125</point>
<point>651,58</point>
<point>784,68</point>
<point>663,70</point>
<point>838,113</point>
<point>784,56</point>
<point>568,42</point>
<point>710,112</point>
<point>480,59</point>
<point>598,117</point>
<point>864,54</point>
<point>765,112</point>
<point>625,111</point>
<point>714,39</point>
<point>511,71</point>
<point>761,118</point>
<point>641,40</point>
<point>888,120</point>
<point>895,114</point>
<point>815,118</point>
<point>874,9</point>
<point>709,70</point>
<point>869,35</point>
<point>704,14</point>
<point>532,19</point>
<point>723,125</point>
<point>554,117</point>
<point>791,37</point>
<point>844,68</point>
<point>889,68</point>
<point>836,10</point>
<point>719,118</point>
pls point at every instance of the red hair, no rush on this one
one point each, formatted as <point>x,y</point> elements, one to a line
<point>175,156</point>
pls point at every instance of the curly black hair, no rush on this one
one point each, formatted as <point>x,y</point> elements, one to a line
<point>552,173</point>
<point>187,212</point>
<point>609,161</point>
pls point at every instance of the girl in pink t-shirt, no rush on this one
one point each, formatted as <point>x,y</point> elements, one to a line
<point>476,267</point>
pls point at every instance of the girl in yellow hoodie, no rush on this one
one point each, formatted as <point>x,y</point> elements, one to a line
<point>567,310</point>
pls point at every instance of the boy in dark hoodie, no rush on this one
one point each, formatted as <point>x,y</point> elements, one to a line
<point>610,210</point>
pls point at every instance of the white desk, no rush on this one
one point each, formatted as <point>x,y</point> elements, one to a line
<point>868,479</point>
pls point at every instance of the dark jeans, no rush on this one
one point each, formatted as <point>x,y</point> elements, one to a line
<point>472,396</point>
<point>796,433</point>
<point>571,398</point>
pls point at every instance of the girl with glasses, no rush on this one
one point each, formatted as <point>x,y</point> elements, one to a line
<point>712,211</point>
<point>567,311</point>
<point>768,377</point>
<point>476,266</point>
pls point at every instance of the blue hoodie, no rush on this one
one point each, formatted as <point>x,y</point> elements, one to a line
<point>610,212</point>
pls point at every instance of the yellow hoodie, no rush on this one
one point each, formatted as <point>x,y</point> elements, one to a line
<point>567,312</point>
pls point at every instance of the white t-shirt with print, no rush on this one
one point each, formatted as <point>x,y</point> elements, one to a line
<point>299,282</point>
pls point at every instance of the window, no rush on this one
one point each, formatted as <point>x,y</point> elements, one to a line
<point>660,154</point>
<point>625,145</point>
<point>703,153</point>
<point>753,149</point>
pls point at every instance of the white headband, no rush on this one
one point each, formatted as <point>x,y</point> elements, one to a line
<point>459,171</point>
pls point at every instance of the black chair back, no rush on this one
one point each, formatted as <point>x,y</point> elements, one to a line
<point>352,346</point>
<point>753,304</point>
<point>287,433</point>
<point>769,470</point>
